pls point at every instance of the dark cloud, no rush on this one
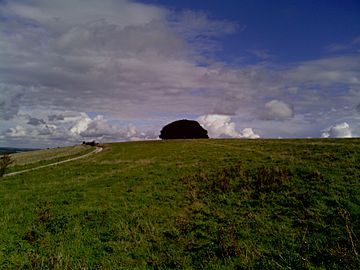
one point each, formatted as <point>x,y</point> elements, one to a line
<point>56,117</point>
<point>357,108</point>
<point>35,121</point>
<point>10,99</point>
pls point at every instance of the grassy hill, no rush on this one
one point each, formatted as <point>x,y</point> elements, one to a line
<point>188,204</point>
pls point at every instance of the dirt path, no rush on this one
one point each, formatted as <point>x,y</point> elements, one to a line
<point>97,150</point>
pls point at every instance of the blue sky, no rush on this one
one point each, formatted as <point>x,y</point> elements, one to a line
<point>288,30</point>
<point>118,70</point>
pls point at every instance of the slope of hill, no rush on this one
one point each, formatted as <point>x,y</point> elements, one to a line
<point>34,159</point>
<point>222,204</point>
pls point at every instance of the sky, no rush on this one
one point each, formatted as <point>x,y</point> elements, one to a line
<point>119,70</point>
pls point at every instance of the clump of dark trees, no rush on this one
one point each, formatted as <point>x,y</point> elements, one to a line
<point>5,161</point>
<point>92,143</point>
<point>183,129</point>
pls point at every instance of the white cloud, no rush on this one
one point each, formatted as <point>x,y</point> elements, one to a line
<point>81,125</point>
<point>218,125</point>
<point>57,16</point>
<point>261,54</point>
<point>249,133</point>
<point>108,57</point>
<point>194,23</point>
<point>344,47</point>
<point>199,30</point>
<point>17,132</point>
<point>342,130</point>
<point>221,126</point>
<point>277,109</point>
<point>327,71</point>
<point>101,129</point>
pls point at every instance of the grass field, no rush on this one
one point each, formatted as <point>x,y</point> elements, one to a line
<point>188,204</point>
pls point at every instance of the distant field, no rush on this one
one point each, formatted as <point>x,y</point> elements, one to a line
<point>46,154</point>
<point>186,204</point>
<point>15,150</point>
<point>32,159</point>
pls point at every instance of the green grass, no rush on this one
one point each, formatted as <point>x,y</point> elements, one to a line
<point>188,204</point>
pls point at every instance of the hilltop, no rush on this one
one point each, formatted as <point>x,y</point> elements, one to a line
<point>222,204</point>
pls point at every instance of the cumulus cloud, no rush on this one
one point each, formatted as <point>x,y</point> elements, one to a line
<point>277,109</point>
<point>342,130</point>
<point>101,129</point>
<point>218,125</point>
<point>17,132</point>
<point>221,126</point>
<point>249,134</point>
<point>72,127</point>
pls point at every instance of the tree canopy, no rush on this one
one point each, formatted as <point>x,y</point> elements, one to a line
<point>183,129</point>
